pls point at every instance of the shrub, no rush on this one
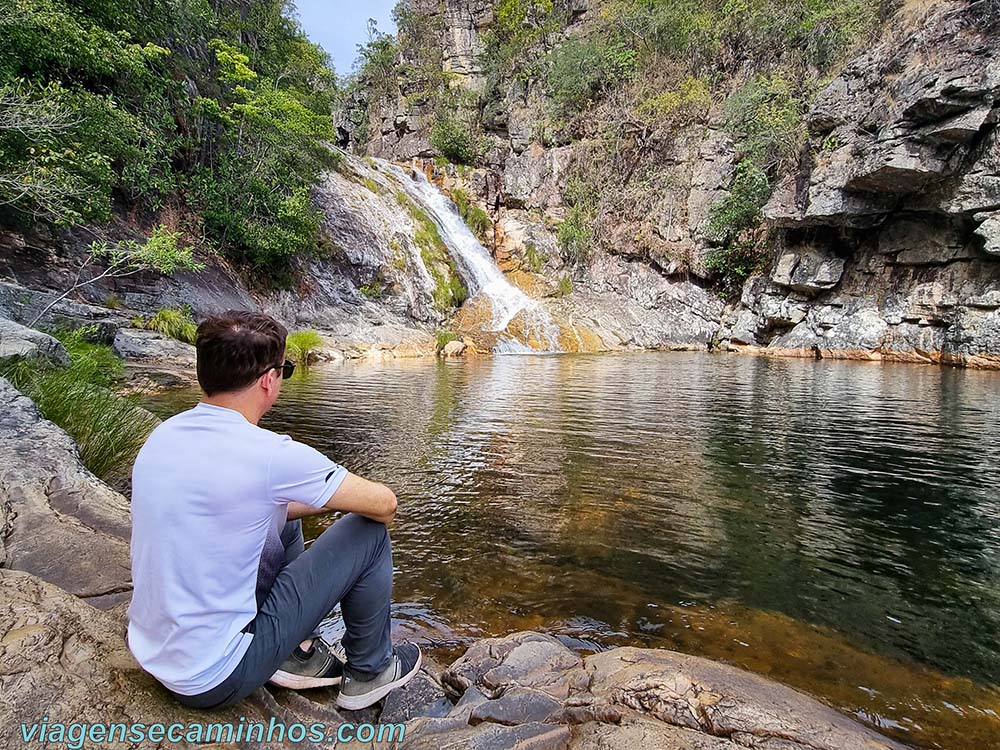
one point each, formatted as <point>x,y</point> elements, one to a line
<point>302,346</point>
<point>735,262</point>
<point>765,117</point>
<point>580,69</point>
<point>565,286</point>
<point>455,140</point>
<point>173,322</point>
<point>533,258</point>
<point>574,234</point>
<point>691,99</point>
<point>373,289</point>
<point>740,210</point>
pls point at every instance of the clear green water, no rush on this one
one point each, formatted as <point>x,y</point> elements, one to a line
<point>833,525</point>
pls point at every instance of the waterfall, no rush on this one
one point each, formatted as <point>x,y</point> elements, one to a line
<point>476,267</point>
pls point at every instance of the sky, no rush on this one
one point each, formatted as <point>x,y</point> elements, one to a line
<point>339,26</point>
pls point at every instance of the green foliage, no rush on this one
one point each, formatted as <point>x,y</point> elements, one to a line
<point>455,140</point>
<point>160,253</point>
<point>534,259</point>
<point>449,291</point>
<point>735,262</point>
<point>565,286</point>
<point>443,339</point>
<point>475,217</point>
<point>108,428</point>
<point>575,233</point>
<point>373,289</point>
<point>217,108</point>
<point>173,322</point>
<point>765,117</point>
<point>689,100</point>
<point>740,209</point>
<point>736,33</point>
<point>580,69</point>
<point>518,27</point>
<point>301,346</point>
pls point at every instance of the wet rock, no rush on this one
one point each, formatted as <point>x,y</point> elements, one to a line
<point>20,342</point>
<point>421,696</point>
<point>641,732</point>
<point>724,702</point>
<point>62,523</point>
<point>517,705</point>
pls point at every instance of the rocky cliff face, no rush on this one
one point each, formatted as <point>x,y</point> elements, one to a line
<point>884,240</point>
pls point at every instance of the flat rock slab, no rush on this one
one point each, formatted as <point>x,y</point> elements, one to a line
<point>149,346</point>
<point>57,520</point>
<point>61,658</point>
<point>723,701</point>
<point>494,737</point>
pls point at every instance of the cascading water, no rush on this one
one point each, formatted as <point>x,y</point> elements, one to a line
<point>480,274</point>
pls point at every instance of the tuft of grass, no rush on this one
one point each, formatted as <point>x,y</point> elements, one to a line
<point>565,286</point>
<point>474,216</point>
<point>113,302</point>
<point>534,259</point>
<point>301,346</point>
<point>176,323</point>
<point>108,428</point>
<point>443,338</point>
<point>372,290</point>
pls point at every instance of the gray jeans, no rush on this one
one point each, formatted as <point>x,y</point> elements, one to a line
<point>350,563</point>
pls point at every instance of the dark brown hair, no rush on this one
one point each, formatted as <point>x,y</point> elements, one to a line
<point>236,348</point>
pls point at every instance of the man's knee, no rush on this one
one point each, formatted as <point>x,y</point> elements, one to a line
<point>363,531</point>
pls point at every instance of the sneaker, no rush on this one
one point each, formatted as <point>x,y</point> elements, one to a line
<point>318,667</point>
<point>356,694</point>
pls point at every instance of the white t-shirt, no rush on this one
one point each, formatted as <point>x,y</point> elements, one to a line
<point>209,498</point>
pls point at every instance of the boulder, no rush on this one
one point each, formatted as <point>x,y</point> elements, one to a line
<point>808,271</point>
<point>20,342</point>
<point>62,523</point>
<point>989,231</point>
<point>62,659</point>
<point>140,345</point>
<point>454,348</point>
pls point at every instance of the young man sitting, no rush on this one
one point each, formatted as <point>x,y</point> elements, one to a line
<point>226,598</point>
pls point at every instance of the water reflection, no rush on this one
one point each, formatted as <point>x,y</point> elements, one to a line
<point>834,525</point>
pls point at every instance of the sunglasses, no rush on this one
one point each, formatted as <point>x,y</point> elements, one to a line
<point>287,368</point>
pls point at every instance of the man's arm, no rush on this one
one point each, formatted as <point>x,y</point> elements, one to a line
<point>355,495</point>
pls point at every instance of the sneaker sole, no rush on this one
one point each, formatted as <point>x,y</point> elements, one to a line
<point>301,682</point>
<point>357,702</point>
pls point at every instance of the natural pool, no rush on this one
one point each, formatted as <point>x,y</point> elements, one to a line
<point>835,526</point>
